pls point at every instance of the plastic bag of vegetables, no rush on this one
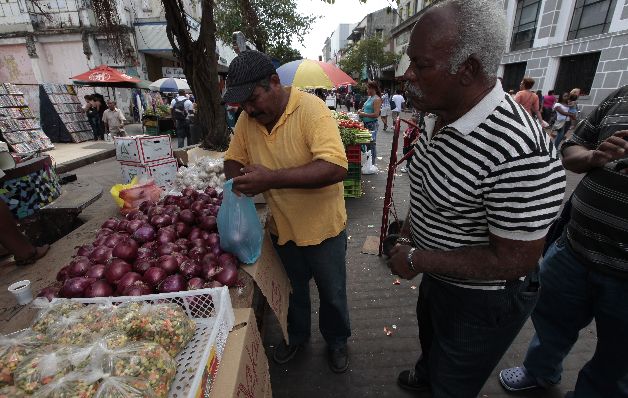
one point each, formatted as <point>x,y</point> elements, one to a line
<point>238,226</point>
<point>124,387</point>
<point>12,392</point>
<point>43,367</point>
<point>51,312</point>
<point>14,348</point>
<point>72,385</point>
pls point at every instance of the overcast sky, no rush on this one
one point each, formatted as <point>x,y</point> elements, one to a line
<point>342,11</point>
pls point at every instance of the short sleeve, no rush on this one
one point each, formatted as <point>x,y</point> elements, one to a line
<point>523,195</point>
<point>323,137</point>
<point>237,147</point>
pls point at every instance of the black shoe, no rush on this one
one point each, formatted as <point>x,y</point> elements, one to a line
<point>408,380</point>
<point>338,359</point>
<point>285,352</point>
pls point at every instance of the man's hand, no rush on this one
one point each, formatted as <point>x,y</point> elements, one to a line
<point>398,262</point>
<point>614,147</point>
<point>256,179</point>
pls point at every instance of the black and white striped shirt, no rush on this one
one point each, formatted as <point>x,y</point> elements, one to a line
<point>492,171</point>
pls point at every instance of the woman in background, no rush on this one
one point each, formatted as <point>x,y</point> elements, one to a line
<point>369,114</point>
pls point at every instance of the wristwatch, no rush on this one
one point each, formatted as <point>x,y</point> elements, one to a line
<point>409,259</point>
<point>404,241</point>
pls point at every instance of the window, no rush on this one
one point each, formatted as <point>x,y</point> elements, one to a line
<point>577,71</point>
<point>513,74</point>
<point>591,17</point>
<point>379,33</point>
<point>524,28</point>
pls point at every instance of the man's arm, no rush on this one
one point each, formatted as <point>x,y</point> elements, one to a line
<point>233,169</point>
<point>502,259</point>
<point>579,159</point>
<point>316,174</point>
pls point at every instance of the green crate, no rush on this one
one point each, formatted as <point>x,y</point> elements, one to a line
<point>354,172</point>
<point>151,130</point>
<point>353,189</point>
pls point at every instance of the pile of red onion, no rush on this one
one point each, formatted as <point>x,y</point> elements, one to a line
<point>163,247</point>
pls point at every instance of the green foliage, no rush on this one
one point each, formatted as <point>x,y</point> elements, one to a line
<point>267,23</point>
<point>367,54</point>
<point>284,53</point>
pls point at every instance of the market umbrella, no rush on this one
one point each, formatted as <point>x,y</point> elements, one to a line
<point>105,76</point>
<point>170,85</point>
<point>306,73</point>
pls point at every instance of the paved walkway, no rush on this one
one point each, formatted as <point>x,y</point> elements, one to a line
<point>374,303</point>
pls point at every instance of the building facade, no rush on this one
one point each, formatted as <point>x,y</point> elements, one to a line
<point>566,44</point>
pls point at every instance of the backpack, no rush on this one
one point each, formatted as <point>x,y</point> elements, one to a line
<point>393,105</point>
<point>178,110</point>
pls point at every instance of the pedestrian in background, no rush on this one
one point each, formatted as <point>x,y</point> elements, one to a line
<point>181,108</point>
<point>548,106</point>
<point>287,146</point>
<point>399,101</point>
<point>114,119</point>
<point>370,113</point>
<point>91,111</point>
<point>485,185</point>
<point>528,99</point>
<point>563,116</point>
<point>584,274</point>
<point>385,111</point>
<point>539,94</point>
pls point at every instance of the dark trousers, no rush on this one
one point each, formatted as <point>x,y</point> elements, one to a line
<point>465,332</point>
<point>571,297</point>
<point>326,263</point>
<point>97,128</point>
<point>182,128</point>
<point>405,150</point>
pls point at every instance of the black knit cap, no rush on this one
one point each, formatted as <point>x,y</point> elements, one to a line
<point>248,68</point>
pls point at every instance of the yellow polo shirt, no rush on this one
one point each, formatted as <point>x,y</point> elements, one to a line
<point>304,133</point>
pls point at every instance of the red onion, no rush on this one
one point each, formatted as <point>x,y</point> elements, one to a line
<point>166,235</point>
<point>153,276</point>
<point>190,192</point>
<point>228,276</point>
<point>113,239</point>
<point>166,248</point>
<point>205,235</point>
<point>220,195</point>
<point>115,271</point>
<point>189,269</point>
<point>100,254</point>
<point>126,250</point>
<point>111,223</point>
<point>195,283</point>
<point>51,291</point>
<point>152,245</point>
<point>142,265</point>
<point>213,240</point>
<point>78,267</point>
<point>208,223</point>
<point>214,211</point>
<point>181,258</point>
<point>198,243</point>
<point>187,216</point>
<point>104,232</point>
<point>96,271</point>
<point>145,205</point>
<point>211,192</point>
<point>217,251</point>
<point>209,270</point>
<point>84,250</point>
<point>228,258</point>
<point>155,211</point>
<point>172,283</point>
<point>182,243</point>
<point>184,202</point>
<point>197,206</point>
<point>127,280</point>
<point>122,225</point>
<point>144,234</point>
<point>99,288</point>
<point>168,263</point>
<point>208,258</point>
<point>101,240</point>
<point>181,229</point>
<point>133,214</point>
<point>196,253</point>
<point>137,289</point>
<point>74,287</point>
<point>195,233</point>
<point>170,200</point>
<point>133,225</point>
<point>205,198</point>
<point>161,220</point>
<point>63,273</point>
<point>212,284</point>
<point>144,253</point>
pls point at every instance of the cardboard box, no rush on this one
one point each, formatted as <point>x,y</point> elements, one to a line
<point>143,148</point>
<point>164,172</point>
<point>243,370</point>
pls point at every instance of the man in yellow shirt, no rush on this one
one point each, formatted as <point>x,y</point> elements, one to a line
<point>287,146</point>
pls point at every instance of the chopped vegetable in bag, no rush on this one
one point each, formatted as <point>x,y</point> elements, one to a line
<point>14,348</point>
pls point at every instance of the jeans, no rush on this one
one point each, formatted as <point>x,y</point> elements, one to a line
<point>97,128</point>
<point>326,263</point>
<point>182,128</point>
<point>571,297</point>
<point>465,332</point>
<point>560,134</point>
<point>373,127</point>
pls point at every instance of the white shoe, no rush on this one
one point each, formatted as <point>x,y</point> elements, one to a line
<point>403,170</point>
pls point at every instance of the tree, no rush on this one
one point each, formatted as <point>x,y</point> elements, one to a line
<point>367,54</point>
<point>284,53</point>
<point>267,23</point>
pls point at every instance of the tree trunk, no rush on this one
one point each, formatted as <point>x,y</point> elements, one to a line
<point>200,66</point>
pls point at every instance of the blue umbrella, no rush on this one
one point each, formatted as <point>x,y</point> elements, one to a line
<point>170,85</point>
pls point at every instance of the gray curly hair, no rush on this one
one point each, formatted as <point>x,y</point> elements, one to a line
<point>482,31</point>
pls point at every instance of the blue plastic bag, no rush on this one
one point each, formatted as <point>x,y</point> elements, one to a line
<point>239,227</point>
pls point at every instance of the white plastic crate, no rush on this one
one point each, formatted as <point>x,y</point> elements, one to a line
<point>212,312</point>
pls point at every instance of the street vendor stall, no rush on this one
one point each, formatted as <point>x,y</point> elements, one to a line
<point>353,135</point>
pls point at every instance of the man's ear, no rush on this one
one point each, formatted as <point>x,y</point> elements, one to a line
<point>470,70</point>
<point>274,79</point>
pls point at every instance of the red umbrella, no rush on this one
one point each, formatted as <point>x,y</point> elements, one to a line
<point>103,75</point>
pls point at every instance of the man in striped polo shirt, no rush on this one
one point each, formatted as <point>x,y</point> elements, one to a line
<point>486,185</point>
<point>585,272</point>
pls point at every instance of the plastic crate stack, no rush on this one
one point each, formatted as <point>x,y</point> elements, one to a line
<point>353,181</point>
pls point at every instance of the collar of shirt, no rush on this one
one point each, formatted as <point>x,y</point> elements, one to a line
<point>478,114</point>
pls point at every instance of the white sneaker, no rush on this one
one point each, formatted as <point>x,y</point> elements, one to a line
<point>403,170</point>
